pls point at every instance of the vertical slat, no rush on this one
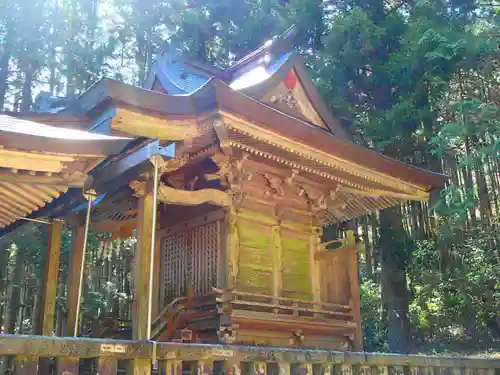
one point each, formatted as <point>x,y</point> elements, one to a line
<point>156,278</point>
<point>67,366</point>
<point>107,366</point>
<point>25,365</point>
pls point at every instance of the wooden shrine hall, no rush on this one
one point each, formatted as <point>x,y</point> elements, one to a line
<point>227,178</point>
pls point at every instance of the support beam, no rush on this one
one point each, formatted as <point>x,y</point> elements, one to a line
<point>75,268</point>
<point>50,277</point>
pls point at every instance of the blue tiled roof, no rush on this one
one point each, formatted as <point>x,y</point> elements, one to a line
<point>278,63</point>
<point>177,79</point>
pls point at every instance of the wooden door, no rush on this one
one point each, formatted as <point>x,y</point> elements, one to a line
<point>190,257</point>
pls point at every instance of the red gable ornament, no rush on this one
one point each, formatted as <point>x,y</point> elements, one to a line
<point>290,81</point>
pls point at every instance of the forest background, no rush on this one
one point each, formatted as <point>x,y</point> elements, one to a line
<point>416,79</point>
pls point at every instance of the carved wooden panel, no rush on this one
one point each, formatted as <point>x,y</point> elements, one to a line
<point>296,270</point>
<point>255,260</point>
<point>188,257</point>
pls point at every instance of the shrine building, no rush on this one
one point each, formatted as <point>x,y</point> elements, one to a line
<point>227,178</point>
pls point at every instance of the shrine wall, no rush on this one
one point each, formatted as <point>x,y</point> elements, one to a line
<point>271,256</point>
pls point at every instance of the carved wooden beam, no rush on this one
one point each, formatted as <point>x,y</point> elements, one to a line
<point>172,165</point>
<point>186,198</point>
<point>418,195</point>
<point>155,127</point>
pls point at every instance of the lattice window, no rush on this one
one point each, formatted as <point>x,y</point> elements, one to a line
<point>191,256</point>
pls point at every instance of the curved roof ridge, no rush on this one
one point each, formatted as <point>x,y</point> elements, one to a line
<point>269,45</point>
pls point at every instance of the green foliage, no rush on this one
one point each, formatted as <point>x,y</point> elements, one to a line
<point>461,302</point>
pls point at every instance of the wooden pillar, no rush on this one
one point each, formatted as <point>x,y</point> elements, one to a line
<point>141,264</point>
<point>75,268</point>
<point>67,365</point>
<point>314,241</point>
<point>232,249</point>
<point>141,276</point>
<point>107,366</point>
<point>50,277</point>
<point>355,293</point>
<point>277,254</point>
<point>25,365</point>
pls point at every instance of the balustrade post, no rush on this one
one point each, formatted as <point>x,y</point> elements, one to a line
<point>415,370</point>
<point>327,369</point>
<point>107,366</point>
<point>25,365</point>
<point>365,370</point>
<point>306,369</point>
<point>204,367</point>
<point>347,370</point>
<point>139,366</point>
<point>67,366</point>
<point>232,367</point>
<point>173,367</point>
<point>284,368</point>
<point>398,370</point>
<point>383,370</point>
<point>259,368</point>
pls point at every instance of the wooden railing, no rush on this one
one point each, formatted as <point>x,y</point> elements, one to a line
<point>29,355</point>
<point>291,306</point>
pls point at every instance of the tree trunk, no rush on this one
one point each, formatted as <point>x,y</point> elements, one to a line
<point>26,98</point>
<point>395,252</point>
<point>368,248</point>
<point>4,75</point>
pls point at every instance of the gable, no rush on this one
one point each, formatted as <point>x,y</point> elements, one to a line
<point>290,97</point>
<point>282,82</point>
